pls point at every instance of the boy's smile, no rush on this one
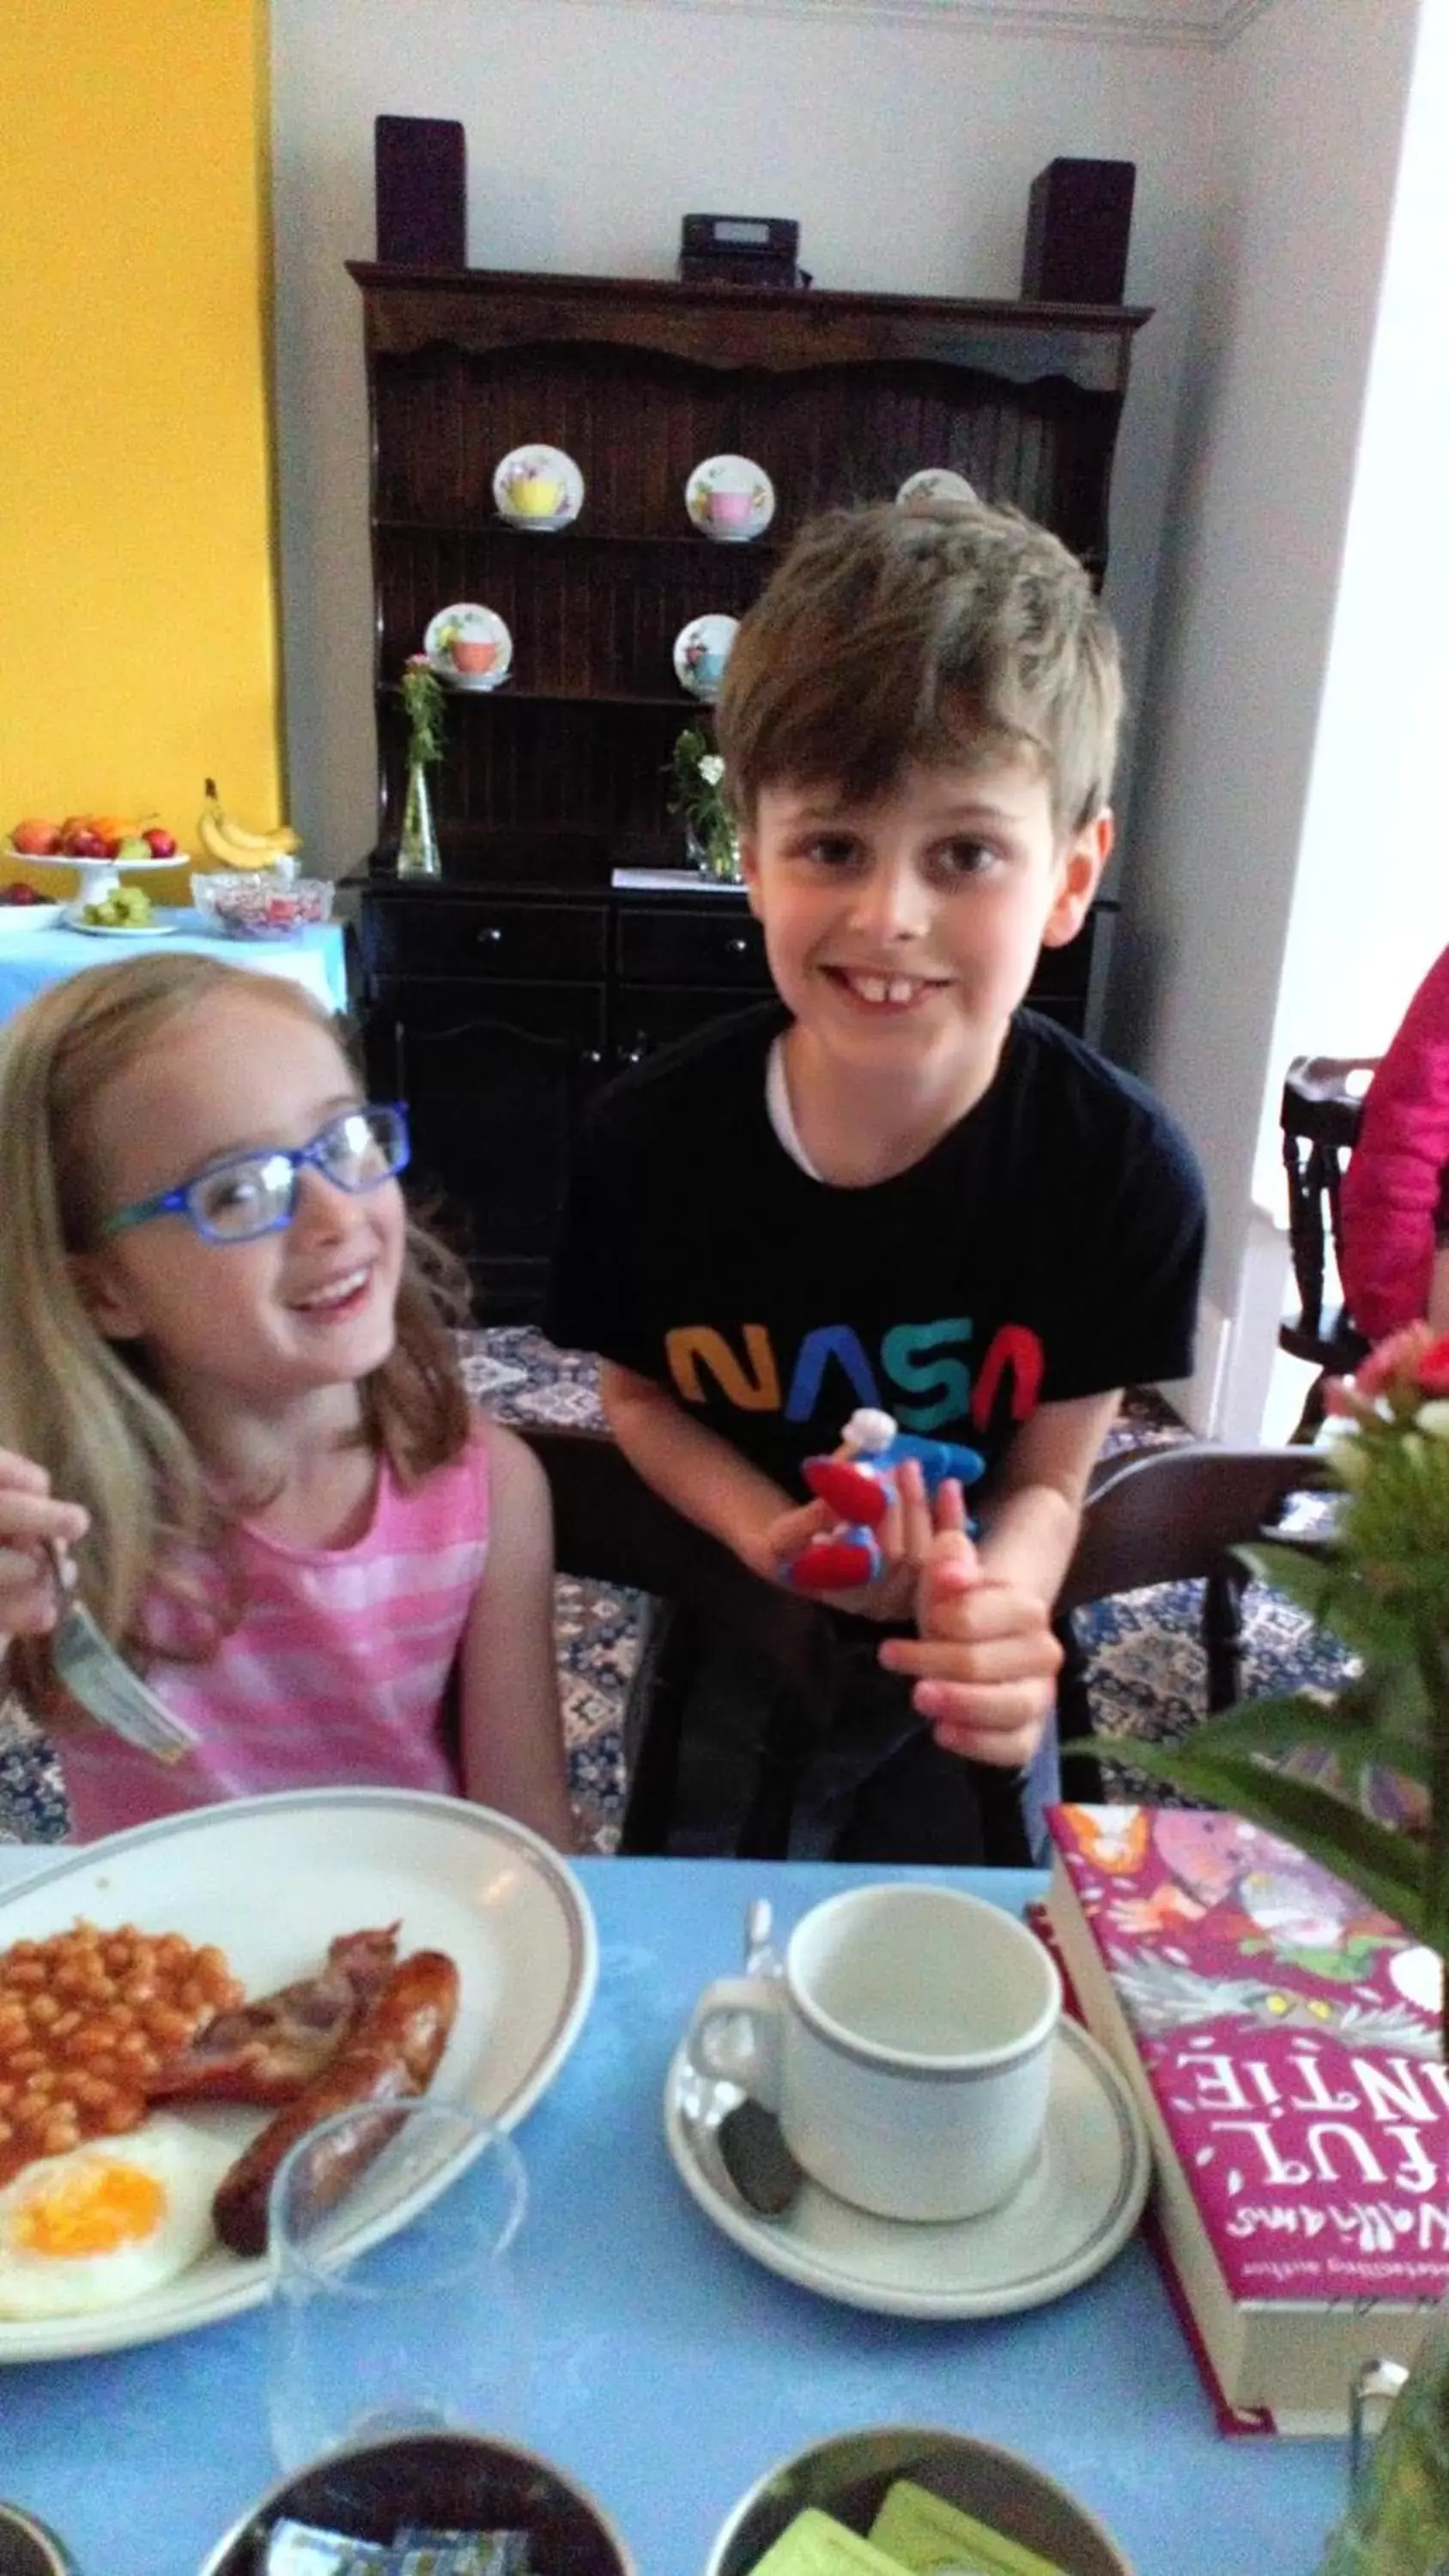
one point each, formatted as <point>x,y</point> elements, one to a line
<point>902,935</point>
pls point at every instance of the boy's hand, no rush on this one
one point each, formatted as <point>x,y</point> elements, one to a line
<point>28,1517</point>
<point>903,1538</point>
<point>986,1661</point>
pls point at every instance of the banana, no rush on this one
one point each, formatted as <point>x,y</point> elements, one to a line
<point>231,845</point>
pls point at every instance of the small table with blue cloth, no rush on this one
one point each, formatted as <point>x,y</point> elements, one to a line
<point>669,2369</point>
<point>314,956</point>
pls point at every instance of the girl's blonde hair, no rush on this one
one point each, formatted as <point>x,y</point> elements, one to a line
<point>85,1408</point>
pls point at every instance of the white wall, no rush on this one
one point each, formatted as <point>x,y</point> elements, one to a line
<point>1225,864</point>
<point>905,148</point>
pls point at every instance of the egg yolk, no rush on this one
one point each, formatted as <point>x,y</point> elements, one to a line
<point>91,2212</point>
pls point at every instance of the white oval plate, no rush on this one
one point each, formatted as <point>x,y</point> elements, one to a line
<point>937,483</point>
<point>1076,2209</point>
<point>20,920</point>
<point>551,464</point>
<point>702,635</point>
<point>273,1881</point>
<point>152,929</point>
<point>737,474</point>
<point>487,626</point>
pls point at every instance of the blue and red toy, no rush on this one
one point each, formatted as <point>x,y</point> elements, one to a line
<point>860,1487</point>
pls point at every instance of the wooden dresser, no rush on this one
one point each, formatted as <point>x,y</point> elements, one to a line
<point>496,998</point>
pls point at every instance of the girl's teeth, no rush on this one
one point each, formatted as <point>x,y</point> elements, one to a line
<point>338,1296</point>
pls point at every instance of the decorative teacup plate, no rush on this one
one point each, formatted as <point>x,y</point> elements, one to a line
<point>701,650</point>
<point>730,498</point>
<point>538,488</point>
<point>937,483</point>
<point>480,632</point>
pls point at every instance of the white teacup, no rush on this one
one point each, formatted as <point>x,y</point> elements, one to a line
<point>905,2044</point>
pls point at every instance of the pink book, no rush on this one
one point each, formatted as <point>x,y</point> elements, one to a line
<point>1283,2039</point>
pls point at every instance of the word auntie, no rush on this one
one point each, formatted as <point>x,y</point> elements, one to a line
<point>925,1375</point>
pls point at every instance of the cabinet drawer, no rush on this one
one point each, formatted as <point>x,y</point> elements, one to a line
<point>656,945</point>
<point>475,935</point>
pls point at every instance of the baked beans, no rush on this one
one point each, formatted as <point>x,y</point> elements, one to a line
<point>86,2018</point>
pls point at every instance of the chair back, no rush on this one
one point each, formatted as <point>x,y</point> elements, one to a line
<point>1173,1514</point>
<point>1319,1118</point>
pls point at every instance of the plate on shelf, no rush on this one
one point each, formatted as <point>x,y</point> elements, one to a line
<point>20,920</point>
<point>701,650</point>
<point>730,498</point>
<point>538,488</point>
<point>483,638</point>
<point>937,483</point>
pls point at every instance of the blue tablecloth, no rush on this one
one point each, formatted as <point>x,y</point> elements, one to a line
<point>670,2370</point>
<point>315,957</point>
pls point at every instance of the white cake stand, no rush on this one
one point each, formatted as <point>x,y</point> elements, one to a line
<point>96,878</point>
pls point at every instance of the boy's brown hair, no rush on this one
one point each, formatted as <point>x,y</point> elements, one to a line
<point>894,635</point>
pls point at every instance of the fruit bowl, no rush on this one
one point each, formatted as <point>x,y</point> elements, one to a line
<point>264,906</point>
<point>18,920</point>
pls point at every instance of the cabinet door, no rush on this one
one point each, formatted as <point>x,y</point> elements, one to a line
<point>494,1081</point>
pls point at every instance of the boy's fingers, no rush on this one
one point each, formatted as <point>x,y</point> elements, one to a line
<point>950,1508</point>
<point>915,1512</point>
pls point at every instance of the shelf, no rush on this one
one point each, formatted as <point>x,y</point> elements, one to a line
<point>507,695</point>
<point>578,534</point>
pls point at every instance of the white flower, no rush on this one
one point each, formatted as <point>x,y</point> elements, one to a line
<point>711,768</point>
<point>1434,1418</point>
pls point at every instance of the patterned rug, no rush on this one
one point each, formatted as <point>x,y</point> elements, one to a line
<point>1146,1671</point>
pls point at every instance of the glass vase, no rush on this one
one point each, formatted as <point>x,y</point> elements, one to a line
<point>417,847</point>
<point>714,848</point>
<point>1397,2520</point>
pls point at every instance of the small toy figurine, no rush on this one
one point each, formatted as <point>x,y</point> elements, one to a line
<point>859,1486</point>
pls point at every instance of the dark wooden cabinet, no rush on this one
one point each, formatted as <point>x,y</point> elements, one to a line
<point>495,999</point>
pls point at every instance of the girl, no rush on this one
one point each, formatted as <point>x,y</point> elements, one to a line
<point>227,1377</point>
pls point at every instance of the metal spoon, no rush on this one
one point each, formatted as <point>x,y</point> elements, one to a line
<point>751,2142</point>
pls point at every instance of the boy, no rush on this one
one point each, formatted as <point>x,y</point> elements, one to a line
<point>894,1187</point>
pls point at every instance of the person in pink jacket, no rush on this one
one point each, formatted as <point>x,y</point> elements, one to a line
<point>1394,1206</point>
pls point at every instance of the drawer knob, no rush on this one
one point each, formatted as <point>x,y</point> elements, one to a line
<point>491,937</point>
<point>737,947</point>
<point>591,1057</point>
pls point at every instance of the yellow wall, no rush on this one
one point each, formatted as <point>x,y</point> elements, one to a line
<point>138,609</point>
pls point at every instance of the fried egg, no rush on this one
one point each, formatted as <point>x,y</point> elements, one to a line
<point>108,2220</point>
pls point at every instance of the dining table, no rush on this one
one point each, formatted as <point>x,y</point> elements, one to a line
<point>668,2369</point>
<point>313,956</point>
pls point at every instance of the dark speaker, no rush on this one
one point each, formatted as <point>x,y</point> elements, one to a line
<point>422,192</point>
<point>1079,215</point>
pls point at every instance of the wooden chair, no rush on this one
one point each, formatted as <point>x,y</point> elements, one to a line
<point>1153,1516</point>
<point>1174,1515</point>
<point>1319,1120</point>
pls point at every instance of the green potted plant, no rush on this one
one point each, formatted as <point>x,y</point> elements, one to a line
<point>1380,1583</point>
<point>696,795</point>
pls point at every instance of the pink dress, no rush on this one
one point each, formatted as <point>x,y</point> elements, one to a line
<point>336,1674</point>
<point>1390,1194</point>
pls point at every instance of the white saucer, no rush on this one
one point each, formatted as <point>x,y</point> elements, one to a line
<point>937,483</point>
<point>551,464</point>
<point>730,474</point>
<point>1076,2209</point>
<point>712,635</point>
<point>470,619</point>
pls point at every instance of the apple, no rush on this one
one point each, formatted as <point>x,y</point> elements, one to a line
<point>162,845</point>
<point>85,844</point>
<point>20,894</point>
<point>35,838</point>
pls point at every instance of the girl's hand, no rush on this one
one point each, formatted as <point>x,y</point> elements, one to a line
<point>29,1516</point>
<point>985,1663</point>
<point>903,1537</point>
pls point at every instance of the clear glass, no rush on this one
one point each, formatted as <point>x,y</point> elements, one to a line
<point>394,2306</point>
<point>715,850</point>
<point>417,848</point>
<point>1397,2522</point>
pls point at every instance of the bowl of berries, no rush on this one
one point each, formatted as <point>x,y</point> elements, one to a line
<point>261,905</point>
<point>23,911</point>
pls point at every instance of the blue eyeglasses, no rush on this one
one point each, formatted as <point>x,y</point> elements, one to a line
<point>255,1194</point>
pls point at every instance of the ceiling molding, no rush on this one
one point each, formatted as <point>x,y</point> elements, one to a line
<point>1208,24</point>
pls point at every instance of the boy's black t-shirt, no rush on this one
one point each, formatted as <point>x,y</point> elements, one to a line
<point>1047,1247</point>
